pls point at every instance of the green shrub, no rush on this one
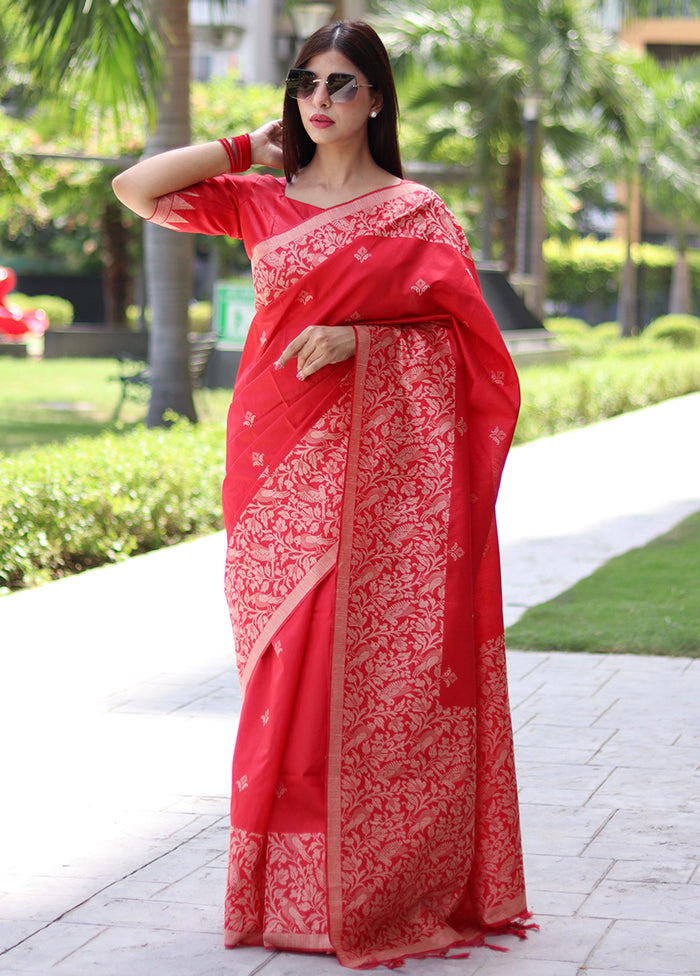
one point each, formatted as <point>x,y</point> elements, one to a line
<point>582,269</point>
<point>562,396</point>
<point>679,330</point>
<point>607,331</point>
<point>563,326</point>
<point>199,316</point>
<point>133,317</point>
<point>586,271</point>
<point>59,310</point>
<point>575,335</point>
<point>91,501</point>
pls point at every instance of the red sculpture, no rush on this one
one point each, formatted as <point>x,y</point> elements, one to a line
<point>14,322</point>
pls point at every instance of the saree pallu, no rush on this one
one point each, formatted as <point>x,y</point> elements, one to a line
<point>374,810</point>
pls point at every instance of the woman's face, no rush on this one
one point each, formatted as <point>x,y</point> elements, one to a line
<point>337,123</point>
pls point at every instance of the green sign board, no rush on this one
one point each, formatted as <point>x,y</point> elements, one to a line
<point>234,308</point>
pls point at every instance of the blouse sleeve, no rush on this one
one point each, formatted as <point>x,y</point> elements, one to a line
<point>210,207</point>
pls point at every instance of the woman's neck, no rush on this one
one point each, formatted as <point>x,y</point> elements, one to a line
<point>335,175</point>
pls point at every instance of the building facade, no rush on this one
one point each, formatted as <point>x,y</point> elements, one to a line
<point>255,38</point>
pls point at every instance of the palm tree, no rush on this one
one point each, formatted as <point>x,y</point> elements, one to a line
<point>115,50</point>
<point>493,56</point>
<point>657,168</point>
<point>110,49</point>
<point>169,256</point>
<point>670,169</point>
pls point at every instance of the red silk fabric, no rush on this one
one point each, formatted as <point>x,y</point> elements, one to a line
<point>374,808</point>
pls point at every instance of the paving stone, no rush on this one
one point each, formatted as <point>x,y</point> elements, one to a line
<point>568,776</point>
<point>561,796</point>
<point>528,755</point>
<point>648,901</point>
<point>668,948</point>
<point>560,938</point>
<point>43,898</point>
<point>654,872</point>
<point>630,750</point>
<point>649,788</point>
<point>563,831</point>
<point>149,914</point>
<point>547,902</point>
<point>215,806</point>
<point>563,738</point>
<point>554,708</point>
<point>48,947</point>
<point>547,872</point>
<point>619,972</point>
<point>510,964</point>
<point>205,886</point>
<point>175,866</point>
<point>125,951</point>
<point>14,930</point>
<point>641,835</point>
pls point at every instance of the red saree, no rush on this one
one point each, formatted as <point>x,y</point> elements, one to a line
<point>374,810</point>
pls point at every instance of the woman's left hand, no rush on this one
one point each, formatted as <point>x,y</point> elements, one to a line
<point>318,346</point>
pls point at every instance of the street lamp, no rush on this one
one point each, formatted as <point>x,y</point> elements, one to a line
<point>530,107</point>
<point>527,264</point>
<point>307,16</point>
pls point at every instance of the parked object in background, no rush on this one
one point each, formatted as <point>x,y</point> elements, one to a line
<point>14,322</point>
<point>135,376</point>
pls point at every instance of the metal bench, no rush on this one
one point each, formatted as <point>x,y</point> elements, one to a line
<point>135,374</point>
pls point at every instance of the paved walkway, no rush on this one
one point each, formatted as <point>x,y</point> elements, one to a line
<point>116,749</point>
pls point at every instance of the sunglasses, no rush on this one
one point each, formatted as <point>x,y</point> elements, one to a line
<point>340,86</point>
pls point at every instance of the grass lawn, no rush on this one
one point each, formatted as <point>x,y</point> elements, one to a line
<point>646,601</point>
<point>49,400</point>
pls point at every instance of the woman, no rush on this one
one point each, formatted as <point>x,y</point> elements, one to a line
<point>374,809</point>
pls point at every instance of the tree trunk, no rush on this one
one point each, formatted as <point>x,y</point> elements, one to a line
<point>627,295</point>
<point>117,274</point>
<point>168,254</point>
<point>487,223</point>
<point>511,193</point>
<point>538,271</point>
<point>681,298</point>
<point>627,298</point>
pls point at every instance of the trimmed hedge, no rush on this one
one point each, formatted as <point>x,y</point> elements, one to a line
<point>90,501</point>
<point>585,269</point>
<point>559,397</point>
<point>199,315</point>
<point>680,330</point>
<point>581,339</point>
<point>60,311</point>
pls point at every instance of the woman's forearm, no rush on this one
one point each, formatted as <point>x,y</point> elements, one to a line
<point>139,187</point>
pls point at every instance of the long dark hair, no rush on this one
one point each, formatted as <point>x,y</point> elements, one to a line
<point>361,44</point>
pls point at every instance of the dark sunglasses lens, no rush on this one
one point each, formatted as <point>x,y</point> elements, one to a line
<point>300,84</point>
<point>341,87</point>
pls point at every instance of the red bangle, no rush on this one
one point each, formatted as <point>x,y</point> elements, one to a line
<point>238,152</point>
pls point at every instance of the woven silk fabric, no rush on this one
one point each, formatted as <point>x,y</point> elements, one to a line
<point>374,808</point>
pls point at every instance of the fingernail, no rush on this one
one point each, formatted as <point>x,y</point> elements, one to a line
<point>300,376</point>
<point>278,365</point>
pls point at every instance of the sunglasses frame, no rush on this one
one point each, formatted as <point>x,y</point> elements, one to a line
<point>300,73</point>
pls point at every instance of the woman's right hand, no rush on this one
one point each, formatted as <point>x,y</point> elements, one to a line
<point>266,145</point>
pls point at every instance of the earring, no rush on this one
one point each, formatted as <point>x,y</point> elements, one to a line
<point>373,114</point>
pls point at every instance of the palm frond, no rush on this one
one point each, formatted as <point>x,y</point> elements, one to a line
<point>113,50</point>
